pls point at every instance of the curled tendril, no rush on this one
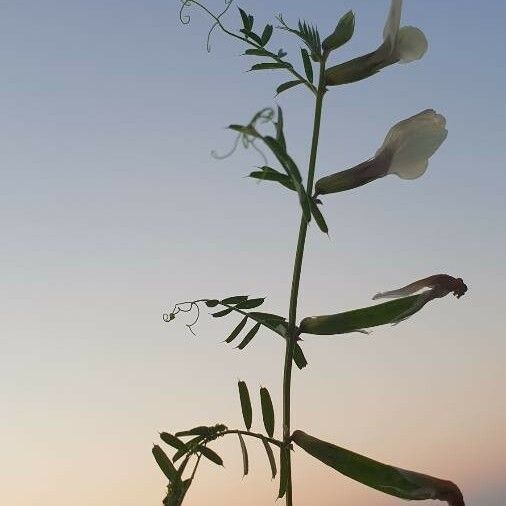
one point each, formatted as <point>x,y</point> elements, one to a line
<point>185,18</point>
<point>184,307</point>
<point>217,156</point>
<point>228,3</point>
<point>265,115</point>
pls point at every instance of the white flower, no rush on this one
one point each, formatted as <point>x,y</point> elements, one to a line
<point>412,141</point>
<point>400,45</point>
<point>405,152</point>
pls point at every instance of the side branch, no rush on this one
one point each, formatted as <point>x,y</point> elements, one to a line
<point>185,19</point>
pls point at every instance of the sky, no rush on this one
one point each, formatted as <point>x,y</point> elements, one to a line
<point>112,210</point>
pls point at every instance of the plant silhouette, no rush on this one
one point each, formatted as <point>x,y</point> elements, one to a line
<point>404,152</point>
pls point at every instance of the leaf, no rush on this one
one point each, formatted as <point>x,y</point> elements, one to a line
<point>279,326</point>
<point>372,316</point>
<point>298,357</point>
<point>210,454</point>
<point>200,430</point>
<point>223,312</point>
<point>235,300</point>
<point>266,317</point>
<point>203,431</point>
<point>173,441</point>
<point>286,86</point>
<point>269,65</point>
<point>305,202</point>
<point>267,411</point>
<point>284,159</point>
<point>342,33</point>
<point>190,445</point>
<point>165,463</point>
<point>250,304</point>
<point>245,130</point>
<point>258,52</point>
<point>309,34</point>
<point>280,135</point>
<point>266,34</point>
<point>212,302</point>
<point>245,20</point>
<point>292,170</point>
<point>283,471</point>
<point>247,412</point>
<point>318,217</point>
<point>385,478</point>
<point>237,330</point>
<point>273,175</point>
<point>249,336</point>
<point>308,68</point>
<point>252,35</point>
<point>275,323</point>
<point>270,456</point>
<point>245,460</point>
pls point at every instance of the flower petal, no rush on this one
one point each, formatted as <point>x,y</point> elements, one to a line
<point>440,284</point>
<point>392,23</point>
<point>412,159</point>
<point>413,141</point>
<point>409,168</point>
<point>406,290</point>
<point>411,44</point>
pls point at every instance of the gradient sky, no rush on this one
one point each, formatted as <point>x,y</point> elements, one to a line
<point>112,210</point>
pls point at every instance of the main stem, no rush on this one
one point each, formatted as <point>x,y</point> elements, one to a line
<point>297,268</point>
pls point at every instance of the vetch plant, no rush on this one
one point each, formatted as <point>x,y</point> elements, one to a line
<point>405,152</point>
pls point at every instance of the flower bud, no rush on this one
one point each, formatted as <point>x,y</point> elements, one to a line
<point>342,33</point>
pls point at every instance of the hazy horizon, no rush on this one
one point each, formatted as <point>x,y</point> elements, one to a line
<point>113,210</point>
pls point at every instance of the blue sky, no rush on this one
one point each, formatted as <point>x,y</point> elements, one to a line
<point>113,209</point>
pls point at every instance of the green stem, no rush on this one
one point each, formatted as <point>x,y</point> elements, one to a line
<point>297,268</point>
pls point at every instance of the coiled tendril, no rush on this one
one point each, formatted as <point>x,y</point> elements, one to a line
<point>250,135</point>
<point>186,18</point>
<point>184,307</point>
